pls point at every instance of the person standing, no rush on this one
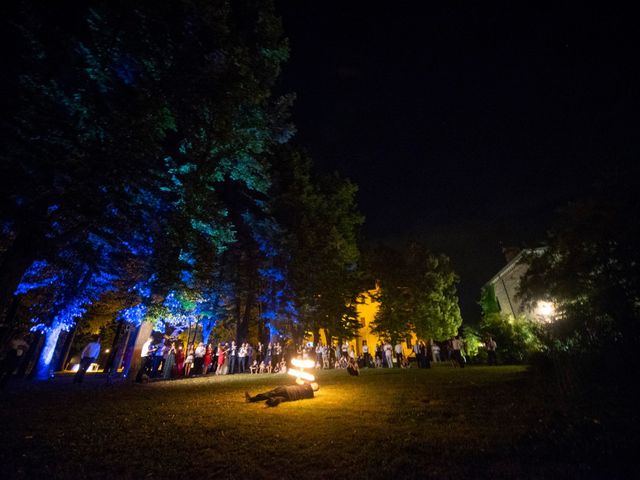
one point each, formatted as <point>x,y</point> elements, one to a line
<point>221,357</point>
<point>188,361</point>
<point>87,357</point>
<point>417,351</point>
<point>365,354</point>
<point>208,356</point>
<point>399,354</point>
<point>259,353</point>
<point>379,355</point>
<point>491,345</point>
<point>233,358</point>
<point>198,358</point>
<point>278,353</point>
<point>319,355</point>
<point>435,353</point>
<point>388,353</point>
<point>456,351</point>
<point>169,361</point>
<point>248,358</point>
<point>269,354</point>
<point>180,361</point>
<point>425,355</point>
<point>242,354</point>
<point>145,359</point>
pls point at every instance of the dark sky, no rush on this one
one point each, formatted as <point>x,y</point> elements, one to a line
<point>464,124</point>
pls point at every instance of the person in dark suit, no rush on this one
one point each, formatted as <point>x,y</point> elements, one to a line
<point>284,393</point>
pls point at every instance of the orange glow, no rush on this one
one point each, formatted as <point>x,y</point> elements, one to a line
<point>303,363</point>
<point>301,374</point>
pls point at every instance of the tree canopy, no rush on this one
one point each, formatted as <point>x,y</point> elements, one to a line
<point>417,293</point>
<point>143,167</point>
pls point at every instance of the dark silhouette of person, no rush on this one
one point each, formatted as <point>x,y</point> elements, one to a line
<point>352,367</point>
<point>12,359</point>
<point>284,393</point>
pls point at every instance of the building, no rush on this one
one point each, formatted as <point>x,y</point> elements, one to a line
<point>367,310</point>
<point>506,282</point>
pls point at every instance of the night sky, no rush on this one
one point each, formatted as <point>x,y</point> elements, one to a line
<point>464,125</point>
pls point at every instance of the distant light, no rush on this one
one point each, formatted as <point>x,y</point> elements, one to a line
<point>107,351</point>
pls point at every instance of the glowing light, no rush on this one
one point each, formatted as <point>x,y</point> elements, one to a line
<point>300,374</point>
<point>296,362</point>
<point>546,310</point>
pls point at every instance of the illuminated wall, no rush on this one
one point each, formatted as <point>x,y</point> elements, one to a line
<point>366,315</point>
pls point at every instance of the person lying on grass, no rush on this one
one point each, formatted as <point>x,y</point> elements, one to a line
<point>284,393</point>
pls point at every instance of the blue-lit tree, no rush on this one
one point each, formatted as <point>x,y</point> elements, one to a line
<point>161,108</point>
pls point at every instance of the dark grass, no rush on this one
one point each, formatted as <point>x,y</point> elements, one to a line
<point>480,422</point>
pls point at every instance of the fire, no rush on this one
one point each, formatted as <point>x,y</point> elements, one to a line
<point>299,373</point>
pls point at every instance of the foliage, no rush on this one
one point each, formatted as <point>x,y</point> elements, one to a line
<point>320,225</point>
<point>473,344</point>
<point>417,294</point>
<point>516,338</point>
<point>589,269</point>
<point>488,301</point>
<point>138,141</point>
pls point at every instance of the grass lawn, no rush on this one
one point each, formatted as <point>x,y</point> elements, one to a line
<point>478,422</point>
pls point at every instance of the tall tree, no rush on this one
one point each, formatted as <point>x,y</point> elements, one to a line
<point>417,293</point>
<point>142,115</point>
<point>321,227</point>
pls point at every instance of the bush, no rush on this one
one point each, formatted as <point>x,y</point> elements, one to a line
<point>516,337</point>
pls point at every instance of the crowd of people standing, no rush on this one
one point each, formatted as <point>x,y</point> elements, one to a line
<point>169,359</point>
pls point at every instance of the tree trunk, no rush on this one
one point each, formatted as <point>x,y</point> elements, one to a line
<point>112,352</point>
<point>328,336</point>
<point>68,341</point>
<point>242,327</point>
<point>121,348</point>
<point>46,362</point>
<point>144,332</point>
